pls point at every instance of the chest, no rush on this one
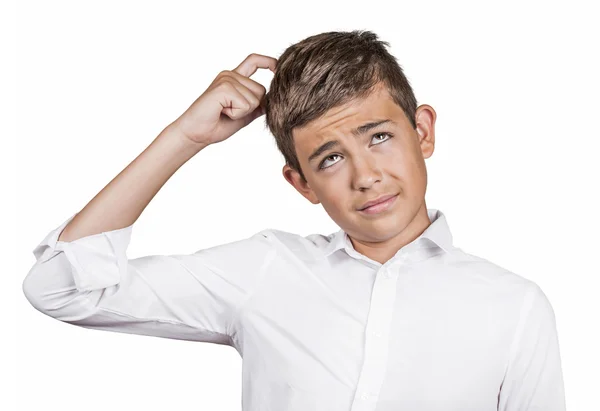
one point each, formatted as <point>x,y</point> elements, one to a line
<point>363,335</point>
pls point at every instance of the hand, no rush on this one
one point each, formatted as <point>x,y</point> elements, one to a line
<point>231,102</point>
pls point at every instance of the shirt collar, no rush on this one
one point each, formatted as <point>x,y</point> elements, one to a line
<point>438,232</point>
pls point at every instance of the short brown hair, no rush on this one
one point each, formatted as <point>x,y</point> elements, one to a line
<point>324,71</point>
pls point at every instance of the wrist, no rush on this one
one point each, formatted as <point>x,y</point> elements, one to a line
<point>173,131</point>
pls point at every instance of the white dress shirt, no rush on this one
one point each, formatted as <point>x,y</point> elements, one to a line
<point>320,326</point>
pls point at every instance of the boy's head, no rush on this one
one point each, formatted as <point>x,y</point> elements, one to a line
<point>324,87</point>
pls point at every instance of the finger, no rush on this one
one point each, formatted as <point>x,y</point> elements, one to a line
<point>234,103</point>
<point>258,89</point>
<point>247,93</point>
<point>255,61</point>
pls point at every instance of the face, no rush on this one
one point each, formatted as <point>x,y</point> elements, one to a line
<point>386,159</point>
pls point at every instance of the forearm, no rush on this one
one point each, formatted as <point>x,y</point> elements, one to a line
<point>120,203</point>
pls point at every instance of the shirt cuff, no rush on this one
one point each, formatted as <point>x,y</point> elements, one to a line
<point>98,261</point>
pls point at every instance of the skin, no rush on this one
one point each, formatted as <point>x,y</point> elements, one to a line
<point>367,167</point>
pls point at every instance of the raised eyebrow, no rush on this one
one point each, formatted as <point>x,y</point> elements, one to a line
<point>356,132</point>
<point>360,130</point>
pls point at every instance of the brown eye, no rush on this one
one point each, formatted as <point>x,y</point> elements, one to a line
<point>383,134</point>
<point>326,158</point>
<point>389,135</point>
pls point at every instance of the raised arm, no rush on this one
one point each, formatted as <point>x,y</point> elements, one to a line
<point>82,274</point>
<point>231,102</point>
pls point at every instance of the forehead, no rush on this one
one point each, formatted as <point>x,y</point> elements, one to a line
<point>338,121</point>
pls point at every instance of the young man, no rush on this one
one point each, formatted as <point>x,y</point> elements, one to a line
<point>384,314</point>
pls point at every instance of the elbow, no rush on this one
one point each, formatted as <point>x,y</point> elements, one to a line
<point>34,290</point>
<point>50,289</point>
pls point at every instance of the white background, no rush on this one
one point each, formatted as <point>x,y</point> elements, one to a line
<point>515,87</point>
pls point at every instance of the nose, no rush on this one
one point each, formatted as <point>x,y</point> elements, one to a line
<point>366,172</point>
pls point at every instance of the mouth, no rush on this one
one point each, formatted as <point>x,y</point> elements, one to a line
<point>381,206</point>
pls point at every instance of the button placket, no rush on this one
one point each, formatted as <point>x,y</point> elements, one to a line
<point>376,344</point>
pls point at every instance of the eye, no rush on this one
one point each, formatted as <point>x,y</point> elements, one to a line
<point>321,166</point>
<point>383,134</point>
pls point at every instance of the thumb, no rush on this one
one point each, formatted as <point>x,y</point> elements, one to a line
<point>259,111</point>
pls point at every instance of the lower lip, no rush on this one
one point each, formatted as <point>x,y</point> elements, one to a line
<point>380,207</point>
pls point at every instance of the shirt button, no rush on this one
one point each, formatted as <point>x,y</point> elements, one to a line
<point>376,333</point>
<point>365,396</point>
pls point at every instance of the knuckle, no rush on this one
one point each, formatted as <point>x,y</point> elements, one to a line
<point>226,85</point>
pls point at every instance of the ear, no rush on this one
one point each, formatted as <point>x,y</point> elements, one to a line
<point>425,118</point>
<point>294,178</point>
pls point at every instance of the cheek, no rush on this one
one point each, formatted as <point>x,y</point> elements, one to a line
<point>333,199</point>
<point>409,168</point>
<point>329,193</point>
<point>335,196</point>
<point>400,163</point>
<point>417,175</point>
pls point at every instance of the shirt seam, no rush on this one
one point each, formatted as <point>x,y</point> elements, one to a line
<point>225,334</point>
<point>524,313</point>
<point>257,285</point>
<point>159,320</point>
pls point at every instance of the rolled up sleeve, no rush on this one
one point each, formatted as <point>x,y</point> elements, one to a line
<point>534,378</point>
<point>90,282</point>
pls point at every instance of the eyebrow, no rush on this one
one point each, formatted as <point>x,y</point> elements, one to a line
<point>356,132</point>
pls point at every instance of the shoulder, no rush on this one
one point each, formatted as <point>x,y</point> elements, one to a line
<point>506,294</point>
<point>249,253</point>
<point>491,279</point>
<point>304,247</point>
<point>471,265</point>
